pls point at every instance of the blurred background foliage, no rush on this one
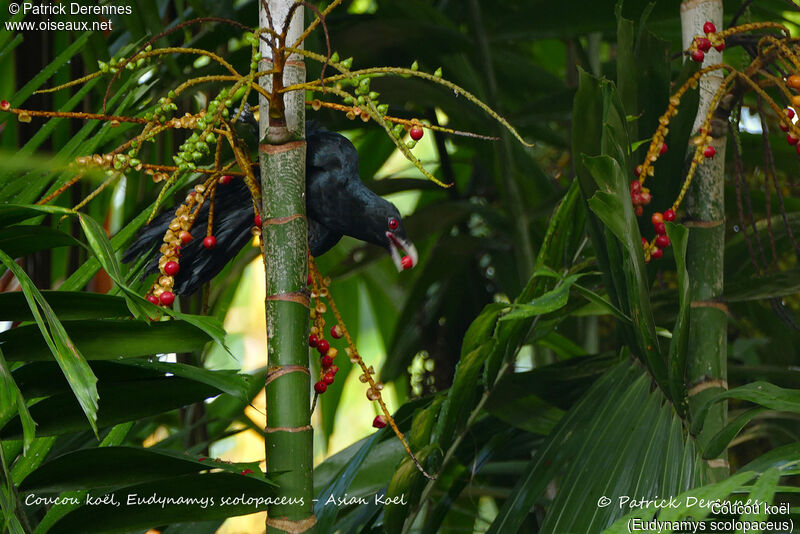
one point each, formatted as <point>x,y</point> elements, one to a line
<point>509,431</point>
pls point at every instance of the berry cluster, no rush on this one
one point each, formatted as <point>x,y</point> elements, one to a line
<point>316,339</point>
<point>320,290</point>
<point>793,82</point>
<point>179,234</point>
<point>701,45</point>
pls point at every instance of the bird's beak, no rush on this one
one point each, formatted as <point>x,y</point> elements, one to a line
<point>401,249</point>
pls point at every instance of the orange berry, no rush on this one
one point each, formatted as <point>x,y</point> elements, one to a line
<point>793,81</point>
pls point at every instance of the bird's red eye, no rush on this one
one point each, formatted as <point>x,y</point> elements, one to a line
<point>393,224</point>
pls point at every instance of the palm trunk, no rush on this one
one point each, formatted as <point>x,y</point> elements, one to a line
<point>705,214</point>
<point>288,442</point>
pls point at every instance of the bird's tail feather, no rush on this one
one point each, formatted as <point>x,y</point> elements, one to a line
<point>233,219</point>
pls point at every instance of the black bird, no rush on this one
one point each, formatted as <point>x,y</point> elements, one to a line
<point>337,204</point>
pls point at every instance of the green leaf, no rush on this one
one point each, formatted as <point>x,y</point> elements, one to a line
<point>407,484</point>
<point>107,467</point>
<point>10,397</point>
<point>325,509</point>
<point>119,402</point>
<point>612,205</point>
<point>67,305</point>
<point>55,339</point>
<point>762,393</point>
<point>679,346</point>
<point>763,491</point>
<point>686,504</point>
<point>717,444</point>
<point>45,74</point>
<point>460,397</point>
<point>766,286</point>
<point>21,240</point>
<point>108,339</point>
<point>195,497</point>
<point>230,382</point>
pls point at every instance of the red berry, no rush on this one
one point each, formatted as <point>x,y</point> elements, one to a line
<point>663,149</point>
<point>313,340</point>
<point>703,44</point>
<point>637,171</point>
<point>657,217</point>
<point>662,241</point>
<point>257,220</point>
<point>202,459</point>
<point>247,472</point>
<point>660,228</point>
<point>720,47</point>
<point>656,254</point>
<point>789,113</point>
<point>698,56</point>
<point>323,346</point>
<point>638,210</point>
<point>416,133</point>
<point>336,331</point>
<point>328,379</point>
<point>406,262</point>
<point>225,179</point>
<point>185,237</point>
<point>171,268</point>
<point>646,198</point>
<point>333,369</point>
<point>152,299</point>
<point>309,280</point>
<point>167,298</point>
<point>636,185</point>
<point>5,105</point>
<point>669,215</point>
<point>791,139</point>
<point>644,242</point>
<point>709,151</point>
<point>709,27</point>
<point>320,387</point>
<point>210,242</point>
<point>783,127</point>
<point>326,362</point>
<point>379,421</point>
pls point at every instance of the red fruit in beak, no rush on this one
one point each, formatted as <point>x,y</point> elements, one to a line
<point>407,262</point>
<point>210,242</point>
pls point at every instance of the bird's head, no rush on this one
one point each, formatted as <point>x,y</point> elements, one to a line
<point>386,228</point>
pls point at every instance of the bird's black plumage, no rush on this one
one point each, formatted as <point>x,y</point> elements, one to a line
<point>337,204</point>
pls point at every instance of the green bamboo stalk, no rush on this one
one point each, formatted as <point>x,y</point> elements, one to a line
<point>705,216</point>
<point>289,437</point>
